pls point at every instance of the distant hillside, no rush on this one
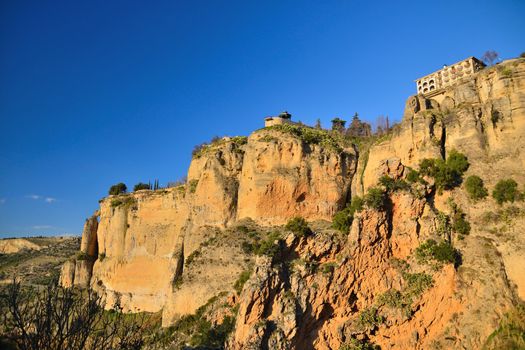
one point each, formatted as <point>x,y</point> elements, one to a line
<point>35,260</point>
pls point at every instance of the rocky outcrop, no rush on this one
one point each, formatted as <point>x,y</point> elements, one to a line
<point>143,238</point>
<point>283,176</point>
<point>67,274</point>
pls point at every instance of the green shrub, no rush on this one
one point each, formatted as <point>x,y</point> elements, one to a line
<point>342,220</point>
<point>312,136</point>
<point>328,268</point>
<point>141,186</point>
<point>126,201</point>
<point>118,189</point>
<point>193,185</point>
<point>271,246</point>
<point>460,225</point>
<point>243,277</point>
<point>82,256</point>
<point>457,162</point>
<point>392,185</point>
<point>413,176</point>
<point>447,174</point>
<point>369,318</point>
<point>391,298</point>
<point>506,191</point>
<point>299,226</point>
<point>442,252</point>
<point>203,334</point>
<point>375,198</point>
<point>417,283</point>
<point>475,188</point>
<point>355,344</point>
<point>101,256</point>
<point>240,140</point>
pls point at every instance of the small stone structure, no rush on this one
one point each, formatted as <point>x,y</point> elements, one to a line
<point>338,124</point>
<point>283,118</point>
<point>432,84</point>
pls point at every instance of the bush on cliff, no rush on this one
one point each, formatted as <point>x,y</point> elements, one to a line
<point>442,252</point>
<point>447,174</point>
<point>243,278</point>
<point>342,220</point>
<point>475,188</point>
<point>392,185</point>
<point>308,135</point>
<point>118,189</point>
<point>413,176</point>
<point>375,198</point>
<point>506,191</point>
<point>141,186</point>
<point>299,226</point>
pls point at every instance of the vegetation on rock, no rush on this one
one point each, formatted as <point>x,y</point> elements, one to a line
<point>393,185</point>
<point>447,174</point>
<point>204,148</point>
<point>299,226</point>
<point>342,220</point>
<point>506,191</point>
<point>141,186</point>
<point>442,252</point>
<point>199,331</point>
<point>243,277</point>
<point>475,188</point>
<point>193,185</point>
<point>375,198</point>
<point>117,189</point>
<point>325,138</point>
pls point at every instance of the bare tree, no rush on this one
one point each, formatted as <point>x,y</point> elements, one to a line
<point>489,57</point>
<point>66,318</point>
<point>382,124</point>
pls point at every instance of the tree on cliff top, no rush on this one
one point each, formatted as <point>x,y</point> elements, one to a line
<point>118,189</point>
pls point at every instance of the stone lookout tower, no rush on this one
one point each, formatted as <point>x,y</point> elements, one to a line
<point>283,118</point>
<point>433,84</point>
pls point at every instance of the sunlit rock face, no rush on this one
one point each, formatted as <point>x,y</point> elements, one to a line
<point>170,249</point>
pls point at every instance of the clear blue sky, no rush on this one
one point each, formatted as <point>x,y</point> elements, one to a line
<point>97,92</point>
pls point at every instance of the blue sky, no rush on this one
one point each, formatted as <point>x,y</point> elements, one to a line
<point>97,92</point>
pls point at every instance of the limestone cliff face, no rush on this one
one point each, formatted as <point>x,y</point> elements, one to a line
<point>173,249</point>
<point>143,238</point>
<point>283,177</point>
<point>483,117</point>
<point>140,240</point>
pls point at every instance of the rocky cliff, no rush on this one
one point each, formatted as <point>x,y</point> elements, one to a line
<point>174,249</point>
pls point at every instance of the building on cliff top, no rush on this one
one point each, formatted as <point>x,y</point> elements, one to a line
<point>283,118</point>
<point>433,84</point>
